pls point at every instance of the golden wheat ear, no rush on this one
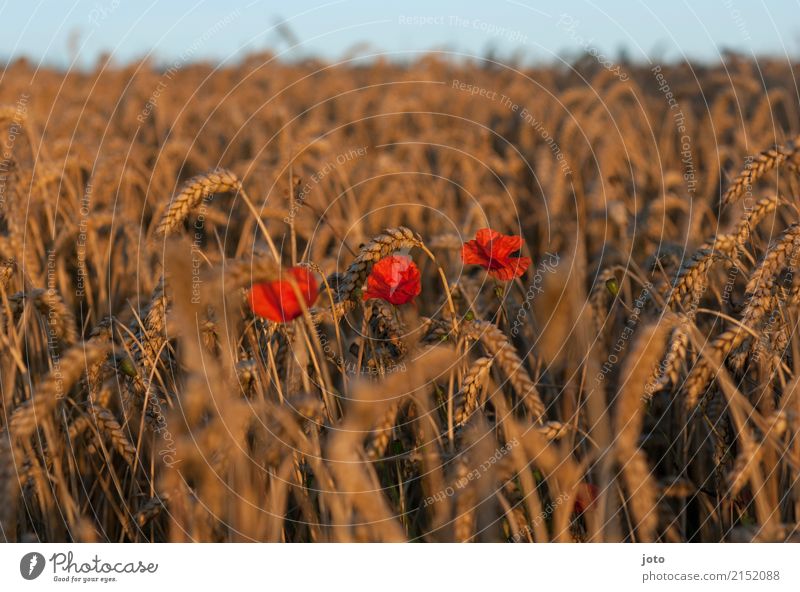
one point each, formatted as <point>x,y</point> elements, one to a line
<point>766,161</point>
<point>192,194</point>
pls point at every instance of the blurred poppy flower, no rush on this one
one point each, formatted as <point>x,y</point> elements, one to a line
<point>496,252</point>
<point>277,301</point>
<point>585,497</point>
<point>394,279</point>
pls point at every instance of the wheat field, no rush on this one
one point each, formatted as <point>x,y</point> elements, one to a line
<point>638,382</point>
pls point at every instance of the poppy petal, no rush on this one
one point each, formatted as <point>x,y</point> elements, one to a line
<point>495,253</point>
<point>277,301</point>
<point>395,279</point>
<point>503,246</point>
<point>473,254</point>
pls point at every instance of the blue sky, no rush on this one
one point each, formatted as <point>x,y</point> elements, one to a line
<point>67,32</point>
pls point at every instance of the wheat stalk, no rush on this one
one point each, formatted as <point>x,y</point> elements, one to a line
<point>506,358</point>
<point>60,320</point>
<point>382,433</point>
<point>636,473</point>
<point>30,415</point>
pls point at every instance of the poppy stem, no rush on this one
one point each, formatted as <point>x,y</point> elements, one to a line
<point>445,285</point>
<point>501,291</point>
<point>292,234</point>
<point>273,367</point>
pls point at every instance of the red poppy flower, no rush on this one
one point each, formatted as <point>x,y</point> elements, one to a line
<point>496,252</point>
<point>394,279</point>
<point>276,300</point>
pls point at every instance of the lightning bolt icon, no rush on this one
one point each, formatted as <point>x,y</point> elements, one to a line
<point>34,561</point>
